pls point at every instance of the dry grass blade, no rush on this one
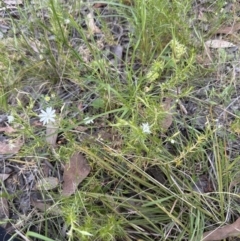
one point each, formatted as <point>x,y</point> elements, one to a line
<point>231,230</point>
<point>4,210</point>
<point>74,173</point>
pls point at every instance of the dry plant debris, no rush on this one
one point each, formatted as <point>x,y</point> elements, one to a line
<point>232,230</point>
<point>13,2</point>
<point>91,24</point>
<point>229,30</point>
<point>74,173</point>
<point>113,60</point>
<point>7,129</point>
<point>167,107</point>
<point>10,146</point>
<point>219,43</point>
<point>52,133</point>
<point>47,183</point>
<point>4,209</point>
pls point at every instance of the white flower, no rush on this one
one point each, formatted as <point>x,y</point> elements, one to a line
<point>66,21</point>
<point>10,118</point>
<point>145,128</point>
<point>47,116</point>
<point>88,120</point>
<point>172,141</point>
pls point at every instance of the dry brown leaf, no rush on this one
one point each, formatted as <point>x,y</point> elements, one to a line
<point>91,24</point>
<point>229,30</point>
<point>167,121</point>
<point>74,173</point>
<point>47,183</point>
<point>12,147</point>
<point>219,43</point>
<point>44,207</point>
<point>7,129</point>
<point>3,176</point>
<point>51,133</point>
<point>4,210</point>
<point>231,230</point>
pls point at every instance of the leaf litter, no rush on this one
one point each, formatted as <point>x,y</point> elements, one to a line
<point>47,183</point>
<point>10,146</point>
<point>77,160</point>
<point>232,230</point>
<point>74,173</point>
<point>52,133</point>
<point>219,43</point>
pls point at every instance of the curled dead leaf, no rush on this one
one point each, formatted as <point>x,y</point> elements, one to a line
<point>91,24</point>
<point>231,230</point>
<point>74,173</point>
<point>219,43</point>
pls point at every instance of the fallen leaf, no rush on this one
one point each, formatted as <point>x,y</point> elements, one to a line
<point>229,30</point>
<point>4,210</point>
<point>167,121</point>
<point>7,129</point>
<point>91,24</point>
<point>3,176</point>
<point>74,173</point>
<point>10,147</point>
<point>231,230</point>
<point>219,43</point>
<point>47,183</point>
<point>51,133</point>
<point>37,202</point>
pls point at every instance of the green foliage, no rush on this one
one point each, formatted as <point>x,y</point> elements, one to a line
<point>121,199</point>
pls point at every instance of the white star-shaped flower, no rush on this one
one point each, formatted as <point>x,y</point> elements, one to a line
<point>88,120</point>
<point>145,128</point>
<point>10,119</point>
<point>47,116</point>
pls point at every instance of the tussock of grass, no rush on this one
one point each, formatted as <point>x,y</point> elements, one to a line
<point>51,59</point>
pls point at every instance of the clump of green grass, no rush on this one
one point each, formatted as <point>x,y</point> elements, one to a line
<point>120,199</point>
